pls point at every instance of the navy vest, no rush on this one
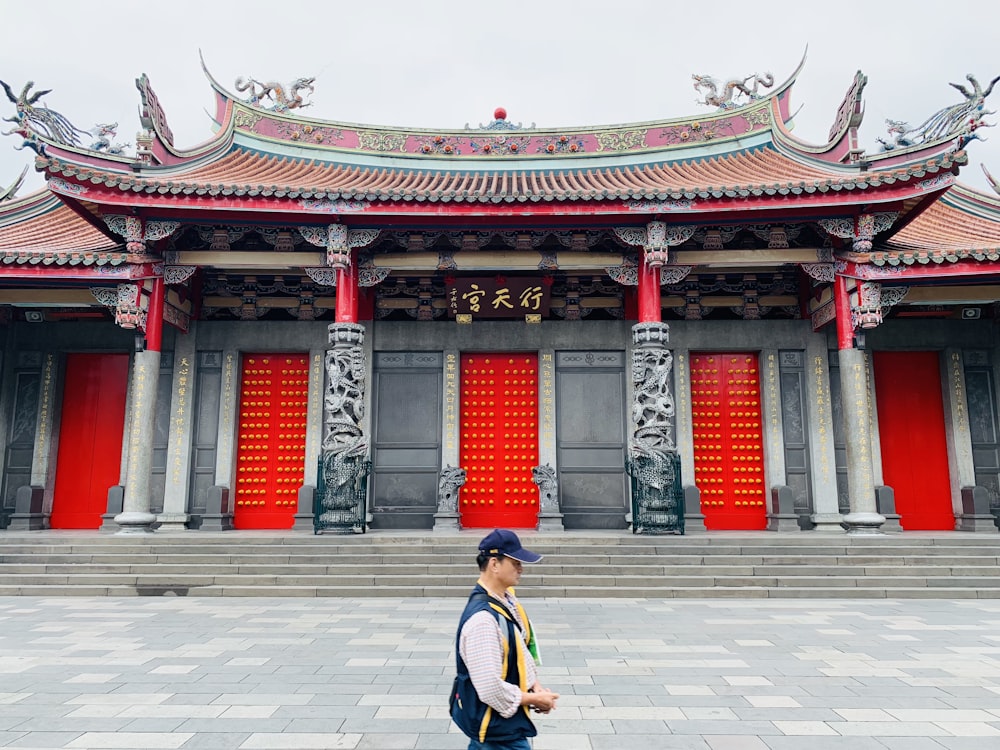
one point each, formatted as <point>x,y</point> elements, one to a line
<point>478,720</point>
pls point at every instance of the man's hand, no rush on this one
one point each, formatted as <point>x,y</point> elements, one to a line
<point>540,699</point>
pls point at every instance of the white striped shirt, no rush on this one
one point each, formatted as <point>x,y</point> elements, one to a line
<point>481,646</point>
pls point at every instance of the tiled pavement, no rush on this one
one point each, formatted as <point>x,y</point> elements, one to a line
<point>257,674</point>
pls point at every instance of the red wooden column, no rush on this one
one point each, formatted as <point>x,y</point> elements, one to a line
<point>650,310</point>
<point>154,316</point>
<point>842,304</point>
<point>346,310</point>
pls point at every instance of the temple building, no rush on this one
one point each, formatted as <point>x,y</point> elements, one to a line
<point>695,324</point>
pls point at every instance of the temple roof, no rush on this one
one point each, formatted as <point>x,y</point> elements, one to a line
<point>40,229</point>
<point>760,172</point>
<point>732,157</point>
<point>964,224</point>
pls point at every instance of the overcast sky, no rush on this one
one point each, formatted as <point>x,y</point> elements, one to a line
<point>445,64</point>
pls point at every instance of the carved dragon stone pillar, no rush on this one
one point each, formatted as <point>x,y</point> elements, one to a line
<point>653,460</point>
<point>344,459</point>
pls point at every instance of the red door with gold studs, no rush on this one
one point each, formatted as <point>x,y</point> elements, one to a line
<point>728,447</point>
<point>499,440</point>
<point>270,456</point>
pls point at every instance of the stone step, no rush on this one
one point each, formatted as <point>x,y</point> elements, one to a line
<point>885,569</point>
<point>577,564</point>
<point>694,592</point>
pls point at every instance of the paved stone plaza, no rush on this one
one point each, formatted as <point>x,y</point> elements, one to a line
<point>311,674</point>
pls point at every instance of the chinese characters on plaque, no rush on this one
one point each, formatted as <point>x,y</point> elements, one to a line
<point>498,297</point>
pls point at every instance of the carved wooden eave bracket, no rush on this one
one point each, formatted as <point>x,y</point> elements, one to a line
<point>339,241</point>
<point>823,272</point>
<point>655,239</point>
<point>125,300</point>
<point>174,275</point>
<point>368,274</point>
<point>860,230</point>
<point>627,274</point>
<point>138,232</point>
<point>873,301</point>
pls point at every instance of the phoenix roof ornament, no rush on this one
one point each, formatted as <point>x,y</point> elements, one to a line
<point>32,121</point>
<point>962,119</point>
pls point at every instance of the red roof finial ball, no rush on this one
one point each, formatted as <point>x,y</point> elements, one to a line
<point>500,113</point>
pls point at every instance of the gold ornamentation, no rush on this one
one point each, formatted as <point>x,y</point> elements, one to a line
<point>760,116</point>
<point>623,141</point>
<point>247,120</point>
<point>372,141</point>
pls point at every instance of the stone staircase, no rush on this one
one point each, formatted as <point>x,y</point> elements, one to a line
<point>577,564</point>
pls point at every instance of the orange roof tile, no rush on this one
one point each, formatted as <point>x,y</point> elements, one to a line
<point>753,172</point>
<point>41,229</point>
<point>961,225</point>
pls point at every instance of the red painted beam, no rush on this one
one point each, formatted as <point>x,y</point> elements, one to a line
<point>887,274</point>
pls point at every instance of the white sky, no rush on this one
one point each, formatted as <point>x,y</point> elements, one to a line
<point>435,63</point>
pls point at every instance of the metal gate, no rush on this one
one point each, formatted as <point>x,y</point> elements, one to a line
<point>728,445</point>
<point>499,440</point>
<point>270,456</point>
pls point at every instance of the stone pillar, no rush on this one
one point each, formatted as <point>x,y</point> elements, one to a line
<point>652,454</point>
<point>694,519</point>
<point>345,461</point>
<point>864,517</point>
<point>822,453</point>
<point>452,475</point>
<point>971,503</point>
<point>135,516</point>
<point>545,475</point>
<point>178,481</point>
<point>29,509</point>
<point>219,503</point>
<point>781,514</point>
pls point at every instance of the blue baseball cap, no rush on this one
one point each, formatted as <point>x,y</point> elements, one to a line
<point>505,542</point>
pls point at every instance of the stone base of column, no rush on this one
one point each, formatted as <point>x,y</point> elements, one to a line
<point>986,524</point>
<point>217,522</point>
<point>827,522</point>
<point>891,525</point>
<point>28,515</point>
<point>783,522</point>
<point>447,521</point>
<point>548,521</point>
<point>694,519</point>
<point>116,503</point>
<point>976,515</point>
<point>135,522</point>
<point>34,522</point>
<point>173,521</point>
<point>864,524</point>
<point>217,516</point>
<point>305,520</point>
<point>782,516</point>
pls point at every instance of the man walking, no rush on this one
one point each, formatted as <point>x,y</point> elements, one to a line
<point>497,683</point>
